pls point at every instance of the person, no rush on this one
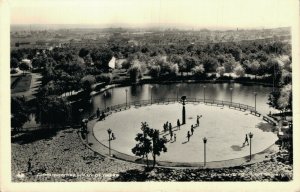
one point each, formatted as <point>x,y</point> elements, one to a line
<point>170,127</point>
<point>29,165</point>
<point>171,135</point>
<point>246,140</point>
<point>174,137</point>
<point>98,112</point>
<point>188,135</point>
<point>178,124</point>
<point>198,117</point>
<point>192,129</point>
<point>113,136</point>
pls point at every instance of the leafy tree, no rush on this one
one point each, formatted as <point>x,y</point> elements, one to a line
<point>53,111</point>
<point>285,98</point>
<point>104,77</point>
<point>14,63</point>
<point>144,146</point>
<point>158,144</point>
<point>19,114</point>
<point>149,141</point>
<point>135,71</point>
<point>83,52</point>
<point>220,70</point>
<point>24,67</point>
<point>239,71</point>
<point>198,71</point>
<point>154,71</point>
<point>87,82</point>
<point>210,64</point>
<point>174,69</point>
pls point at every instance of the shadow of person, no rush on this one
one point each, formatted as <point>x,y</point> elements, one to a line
<point>184,142</point>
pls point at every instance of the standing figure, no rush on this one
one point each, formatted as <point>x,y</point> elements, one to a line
<point>113,136</point>
<point>192,129</point>
<point>98,112</point>
<point>198,117</point>
<point>171,135</point>
<point>170,127</point>
<point>178,124</point>
<point>188,135</point>
<point>29,165</point>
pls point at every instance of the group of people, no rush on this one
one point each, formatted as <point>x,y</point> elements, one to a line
<point>100,117</point>
<point>168,127</point>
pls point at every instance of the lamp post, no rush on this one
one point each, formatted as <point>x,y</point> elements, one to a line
<point>104,100</point>
<point>151,93</point>
<point>126,90</point>
<point>183,98</point>
<point>255,101</point>
<point>250,136</point>
<point>109,139</point>
<point>204,141</point>
<point>231,95</point>
<point>204,86</point>
<point>177,86</point>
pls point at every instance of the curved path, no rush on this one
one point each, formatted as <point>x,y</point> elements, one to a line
<point>100,148</point>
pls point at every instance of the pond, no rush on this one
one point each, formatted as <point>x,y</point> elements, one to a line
<point>218,91</point>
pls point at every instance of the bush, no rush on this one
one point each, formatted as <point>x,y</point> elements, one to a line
<point>154,71</point>
<point>104,77</point>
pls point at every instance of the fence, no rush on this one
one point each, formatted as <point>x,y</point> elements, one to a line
<point>124,106</point>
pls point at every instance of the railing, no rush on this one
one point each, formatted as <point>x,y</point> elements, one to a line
<point>124,106</point>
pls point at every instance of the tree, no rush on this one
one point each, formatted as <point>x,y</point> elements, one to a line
<point>285,98</point>
<point>210,64</point>
<point>253,66</point>
<point>174,69</point>
<point>53,111</point>
<point>19,114</point>
<point>87,81</point>
<point>198,71</point>
<point>154,71</point>
<point>239,71</point>
<point>24,66</point>
<point>149,141</point>
<point>135,71</point>
<point>220,70</point>
<point>158,144</point>
<point>144,146</point>
<point>14,63</point>
<point>83,52</point>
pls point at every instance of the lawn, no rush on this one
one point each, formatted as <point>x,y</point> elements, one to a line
<point>22,84</point>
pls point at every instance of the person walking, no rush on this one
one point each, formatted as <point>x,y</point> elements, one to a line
<point>188,135</point>
<point>192,129</point>
<point>246,140</point>
<point>178,124</point>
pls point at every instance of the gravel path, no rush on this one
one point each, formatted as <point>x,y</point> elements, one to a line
<point>65,158</point>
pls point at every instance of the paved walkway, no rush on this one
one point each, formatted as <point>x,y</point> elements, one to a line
<point>98,147</point>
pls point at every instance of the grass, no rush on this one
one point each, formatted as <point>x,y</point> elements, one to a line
<point>21,85</point>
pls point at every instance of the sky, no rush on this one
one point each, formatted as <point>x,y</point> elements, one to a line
<point>142,13</point>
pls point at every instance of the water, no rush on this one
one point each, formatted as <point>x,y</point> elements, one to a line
<point>219,91</point>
